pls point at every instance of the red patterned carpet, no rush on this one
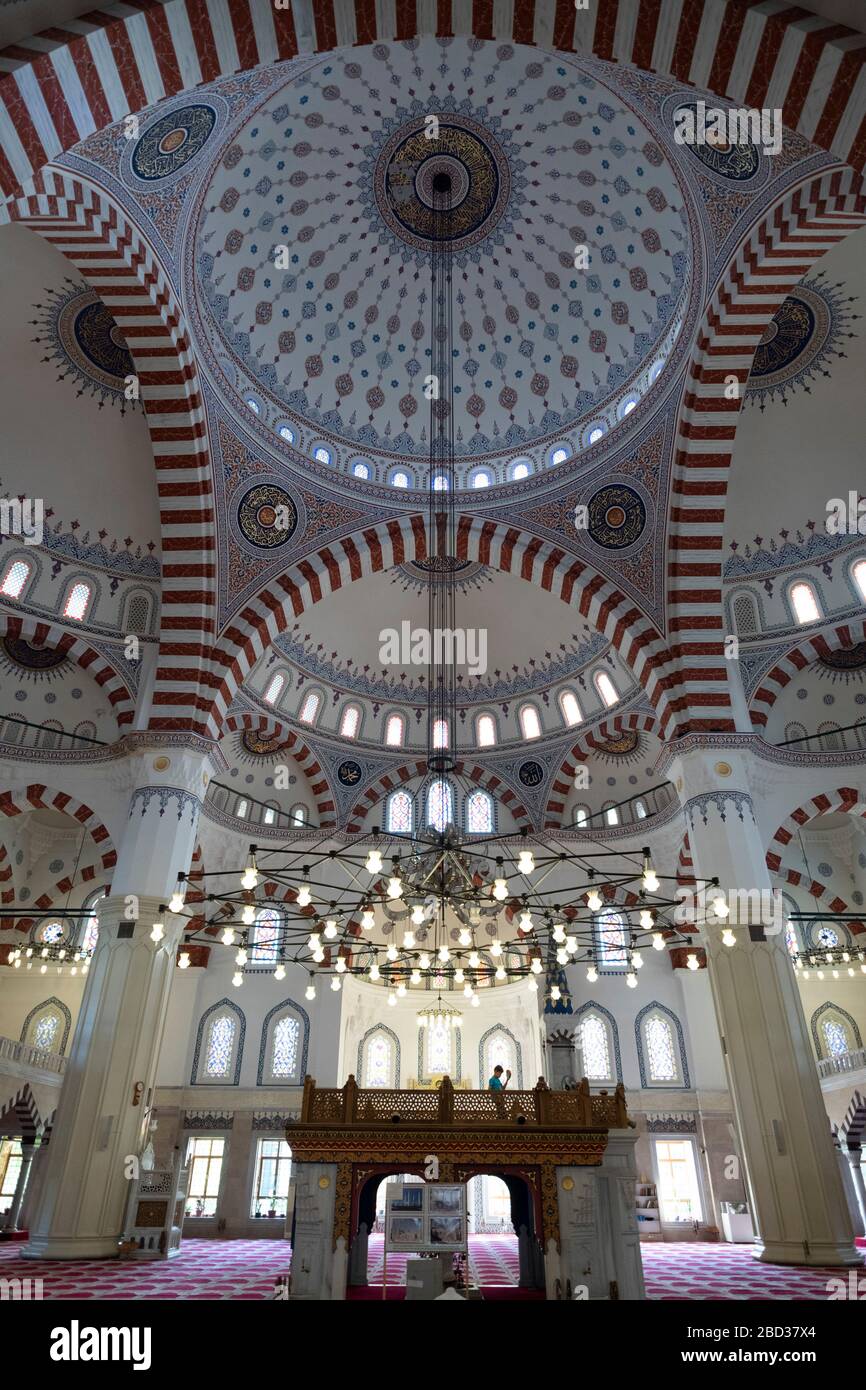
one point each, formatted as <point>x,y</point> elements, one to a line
<point>249,1269</point>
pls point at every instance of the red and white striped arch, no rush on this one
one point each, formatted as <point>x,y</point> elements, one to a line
<point>82,75</point>
<point>589,741</point>
<point>398,776</point>
<point>389,543</point>
<point>815,889</point>
<point>7,888</point>
<point>38,797</point>
<point>42,634</point>
<point>308,762</point>
<point>807,651</point>
<point>846,799</point>
<point>778,252</point>
<point>117,261</point>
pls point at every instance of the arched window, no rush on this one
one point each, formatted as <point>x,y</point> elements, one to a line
<point>275,686</point>
<point>530,724</point>
<point>270,815</point>
<point>834,1032</point>
<point>595,434</point>
<point>481,480</point>
<point>400,480</point>
<point>611,941</point>
<point>661,1048</point>
<point>836,1039</point>
<point>379,1058</point>
<point>265,936</point>
<point>350,722</point>
<point>611,815</point>
<point>858,571</point>
<point>745,615</point>
<point>287,433</point>
<point>570,708</point>
<point>48,1026</point>
<point>440,733</point>
<point>78,600</point>
<point>361,470</point>
<point>804,603</point>
<point>596,1061</point>
<point>581,815</point>
<point>827,938</point>
<point>399,816</point>
<point>500,1048</point>
<point>479,813</point>
<point>440,483</point>
<point>310,707</point>
<point>254,405</point>
<point>520,471</point>
<point>15,578</point>
<point>440,805</point>
<point>242,807</point>
<point>606,688</point>
<point>438,1049</point>
<point>90,921</point>
<point>298,814</point>
<point>394,730</point>
<point>485,731</point>
<point>284,1046</point>
<point>322,455</point>
<point>219,1045</point>
<point>559,455</point>
<point>137,617</point>
<point>640,809</point>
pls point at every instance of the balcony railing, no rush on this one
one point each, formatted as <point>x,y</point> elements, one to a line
<point>249,809</point>
<point>26,1056</point>
<point>847,1061</point>
<point>628,812</point>
<point>20,733</point>
<point>539,1108</point>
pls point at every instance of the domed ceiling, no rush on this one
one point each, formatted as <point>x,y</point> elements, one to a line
<point>330,347</point>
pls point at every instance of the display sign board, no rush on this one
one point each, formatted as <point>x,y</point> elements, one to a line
<point>425,1216</point>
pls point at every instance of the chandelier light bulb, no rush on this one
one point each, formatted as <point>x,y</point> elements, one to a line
<point>496,947</point>
<point>820,974</point>
<point>229,936</point>
<point>592,974</point>
<point>850,972</point>
<point>835,974</point>
<point>525,862</point>
<point>571,945</point>
<point>475,1001</point>
<point>593,900</point>
<point>631,980</point>
<point>424,961</point>
<point>392,999</point>
<point>178,897</point>
<point>310,992</point>
<point>330,929</point>
<point>44,951</point>
<point>536,966</point>
<point>305,897</point>
<point>241,957</point>
<point>408,940</point>
<point>829,958</point>
<point>84,969</point>
<point>336,984</point>
<point>43,969</point>
<point>392,952</point>
<point>248,916</point>
<point>250,876</point>
<point>555,993</point>
<point>415,977</point>
<point>646,918</point>
<point>401,990</point>
<point>558,933</point>
<point>459,975</point>
<point>17,964</point>
<point>728,938</point>
<point>341,965</point>
<point>158,932</point>
<point>314,941</point>
<point>532,984</point>
<point>500,889</point>
<point>183,960</point>
<point>846,956</point>
<point>61,954</point>
<point>395,887</point>
<point>374,972</point>
<point>525,923</point>
<point>650,881</point>
<point>280,972</point>
<point>636,959</point>
<point>562,956</point>
<point>444,954</point>
<point>467,991</point>
<point>692,961</point>
<point>318,955</point>
<point>500,973</point>
<point>465,937</point>
<point>373,862</point>
<point>417,915</point>
<point>368,919</point>
<point>474,960</point>
<point>29,951</point>
<point>475,914</point>
<point>720,906</point>
<point>237,979</point>
<point>658,941</point>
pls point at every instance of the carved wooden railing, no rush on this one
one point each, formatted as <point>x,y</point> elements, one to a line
<point>538,1108</point>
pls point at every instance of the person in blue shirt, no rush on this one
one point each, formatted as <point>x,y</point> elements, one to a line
<point>496,1083</point>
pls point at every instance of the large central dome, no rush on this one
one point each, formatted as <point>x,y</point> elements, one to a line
<point>328,341</point>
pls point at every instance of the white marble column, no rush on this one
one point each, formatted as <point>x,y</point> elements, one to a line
<point>796,1195</point>
<point>109,1079</point>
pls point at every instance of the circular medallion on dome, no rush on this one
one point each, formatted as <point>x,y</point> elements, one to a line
<point>845,658</point>
<point>617,516</point>
<point>738,162</point>
<point>172,141</point>
<point>308,273</point>
<point>531,773</point>
<point>267,516</point>
<point>621,746</point>
<point>82,339</point>
<point>473,179</point>
<point>257,745</point>
<point>803,336</point>
<point>349,773</point>
<point>29,658</point>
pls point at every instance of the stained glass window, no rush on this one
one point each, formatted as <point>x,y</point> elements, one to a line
<point>51,932</point>
<point>479,814</point>
<point>485,731</point>
<point>570,708</point>
<point>500,1053</point>
<point>15,578</point>
<point>272,694</point>
<point>91,933</point>
<point>378,1066</point>
<point>265,935</point>
<point>659,1039</point>
<point>45,1031</point>
<point>309,707</point>
<point>835,1037</point>
<point>440,733</point>
<point>529,722</point>
<point>791,939</point>
<point>612,940</point>
<point>77,601</point>
<point>400,813</point>
<point>219,1046</point>
<point>350,721</point>
<point>440,805</point>
<point>394,731</point>
<point>606,689</point>
<point>805,604</point>
<point>596,1050</point>
<point>400,480</point>
<point>827,937</point>
<point>438,1049</point>
<point>285,1047</point>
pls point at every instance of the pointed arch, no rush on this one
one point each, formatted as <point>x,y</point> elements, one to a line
<point>483,1060</point>
<point>51,1005</point>
<point>382,786</point>
<point>656,1010</point>
<point>845,799</point>
<point>285,1009</point>
<point>593,1007</point>
<point>828,1011</point>
<point>589,740</point>
<point>361,1067</point>
<point>795,661</point>
<point>120,694</point>
<point>239,721</point>
<point>222,1007</point>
